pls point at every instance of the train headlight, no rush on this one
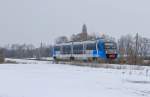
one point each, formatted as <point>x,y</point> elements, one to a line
<point>106,51</point>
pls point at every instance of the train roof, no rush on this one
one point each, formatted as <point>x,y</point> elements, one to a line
<point>80,42</point>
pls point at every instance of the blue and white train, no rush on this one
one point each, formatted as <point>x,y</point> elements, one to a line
<point>85,50</point>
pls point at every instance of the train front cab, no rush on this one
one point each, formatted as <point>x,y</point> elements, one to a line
<point>111,50</point>
<point>107,50</point>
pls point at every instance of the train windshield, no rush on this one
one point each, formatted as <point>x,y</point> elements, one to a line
<point>57,48</point>
<point>110,45</point>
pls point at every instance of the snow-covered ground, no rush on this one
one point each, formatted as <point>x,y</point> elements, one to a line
<point>44,79</point>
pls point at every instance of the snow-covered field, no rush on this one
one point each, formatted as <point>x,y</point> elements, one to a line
<point>44,79</point>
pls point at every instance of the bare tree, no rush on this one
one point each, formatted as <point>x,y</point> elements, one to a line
<point>1,55</point>
<point>61,39</point>
<point>142,48</point>
<point>79,37</point>
<point>126,50</point>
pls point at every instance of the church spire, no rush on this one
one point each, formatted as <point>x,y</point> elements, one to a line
<point>84,28</point>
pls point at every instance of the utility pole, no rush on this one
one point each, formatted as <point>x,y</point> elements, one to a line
<point>136,48</point>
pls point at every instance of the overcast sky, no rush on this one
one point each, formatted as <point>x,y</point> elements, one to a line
<point>33,21</point>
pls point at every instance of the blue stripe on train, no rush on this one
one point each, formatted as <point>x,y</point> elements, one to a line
<point>100,54</point>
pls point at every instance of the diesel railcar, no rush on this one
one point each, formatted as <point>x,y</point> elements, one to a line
<point>85,50</point>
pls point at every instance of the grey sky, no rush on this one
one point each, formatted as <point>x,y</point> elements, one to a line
<point>33,21</point>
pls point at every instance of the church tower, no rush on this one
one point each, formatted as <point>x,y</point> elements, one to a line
<point>84,34</point>
<point>84,29</point>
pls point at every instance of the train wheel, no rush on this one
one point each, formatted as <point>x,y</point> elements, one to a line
<point>71,58</point>
<point>55,60</point>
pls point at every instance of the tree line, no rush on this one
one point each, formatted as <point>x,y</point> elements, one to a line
<point>134,49</point>
<point>26,51</point>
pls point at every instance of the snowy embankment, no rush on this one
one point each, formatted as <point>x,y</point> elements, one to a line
<point>26,61</point>
<point>43,79</point>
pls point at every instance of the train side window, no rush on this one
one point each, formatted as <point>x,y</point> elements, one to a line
<point>66,49</point>
<point>91,46</point>
<point>78,49</point>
